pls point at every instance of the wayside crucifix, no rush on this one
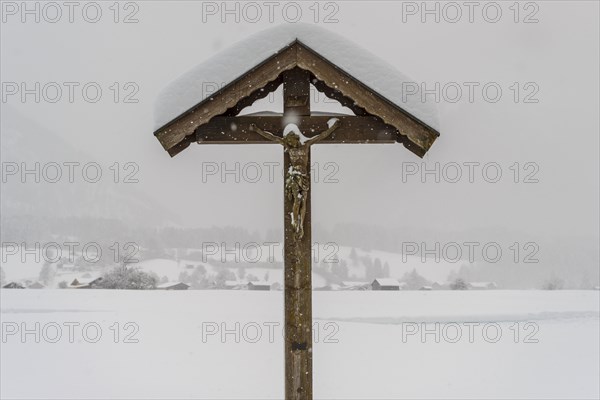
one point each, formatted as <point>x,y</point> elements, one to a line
<point>378,118</point>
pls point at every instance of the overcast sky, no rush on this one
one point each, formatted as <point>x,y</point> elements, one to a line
<point>554,61</point>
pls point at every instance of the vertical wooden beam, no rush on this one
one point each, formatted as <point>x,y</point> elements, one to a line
<point>296,92</point>
<point>297,261</point>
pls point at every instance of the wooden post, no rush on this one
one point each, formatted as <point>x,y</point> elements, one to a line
<point>216,120</point>
<point>297,261</point>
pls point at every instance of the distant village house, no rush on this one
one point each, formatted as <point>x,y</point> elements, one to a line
<point>264,285</point>
<point>385,284</point>
<point>85,283</point>
<point>36,285</point>
<point>13,285</point>
<point>173,286</point>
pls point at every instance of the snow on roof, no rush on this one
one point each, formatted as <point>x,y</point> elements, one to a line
<point>169,284</point>
<point>387,282</point>
<point>85,281</point>
<point>189,89</point>
<point>13,284</point>
<point>262,283</point>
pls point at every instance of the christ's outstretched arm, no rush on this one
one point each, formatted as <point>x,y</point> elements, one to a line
<point>323,134</point>
<point>265,134</point>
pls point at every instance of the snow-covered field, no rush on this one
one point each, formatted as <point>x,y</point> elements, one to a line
<point>369,344</point>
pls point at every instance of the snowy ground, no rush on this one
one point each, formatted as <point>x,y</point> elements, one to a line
<point>364,347</point>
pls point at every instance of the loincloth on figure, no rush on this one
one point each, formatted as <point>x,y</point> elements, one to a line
<point>296,184</point>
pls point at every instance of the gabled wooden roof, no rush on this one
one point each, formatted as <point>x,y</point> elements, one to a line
<point>327,77</point>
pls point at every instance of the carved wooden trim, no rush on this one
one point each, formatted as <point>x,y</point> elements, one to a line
<point>175,131</point>
<point>421,135</point>
<point>266,77</point>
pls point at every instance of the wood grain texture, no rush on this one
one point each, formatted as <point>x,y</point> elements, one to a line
<point>297,261</point>
<point>328,78</point>
<point>420,136</point>
<point>246,85</point>
<point>216,121</point>
<point>235,130</point>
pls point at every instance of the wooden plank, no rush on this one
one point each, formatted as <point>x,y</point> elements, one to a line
<point>331,79</point>
<point>179,147</point>
<point>420,136</point>
<point>297,258</point>
<point>338,96</point>
<point>257,95</point>
<point>235,130</point>
<point>254,80</point>
<point>296,92</point>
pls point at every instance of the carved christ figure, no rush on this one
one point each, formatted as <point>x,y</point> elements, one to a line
<point>296,178</point>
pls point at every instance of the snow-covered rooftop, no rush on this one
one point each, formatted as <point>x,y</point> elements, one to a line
<point>169,284</point>
<point>263,283</point>
<point>85,281</point>
<point>387,282</point>
<point>223,68</point>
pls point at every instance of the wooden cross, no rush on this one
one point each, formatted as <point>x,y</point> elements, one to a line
<point>376,120</point>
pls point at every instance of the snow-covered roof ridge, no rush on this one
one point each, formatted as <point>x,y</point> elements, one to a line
<point>263,282</point>
<point>223,68</point>
<point>169,284</point>
<point>387,281</point>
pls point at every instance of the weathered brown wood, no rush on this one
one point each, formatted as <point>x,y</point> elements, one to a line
<point>420,136</point>
<point>253,81</point>
<point>296,92</point>
<point>235,130</point>
<point>329,78</point>
<point>297,261</point>
<point>337,95</point>
<point>179,147</point>
<point>257,95</point>
<point>216,120</point>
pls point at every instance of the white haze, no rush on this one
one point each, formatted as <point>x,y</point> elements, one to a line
<point>560,133</point>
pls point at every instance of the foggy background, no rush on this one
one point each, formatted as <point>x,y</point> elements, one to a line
<point>370,206</point>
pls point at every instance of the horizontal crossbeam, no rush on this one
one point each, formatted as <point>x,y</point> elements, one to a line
<point>352,129</point>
